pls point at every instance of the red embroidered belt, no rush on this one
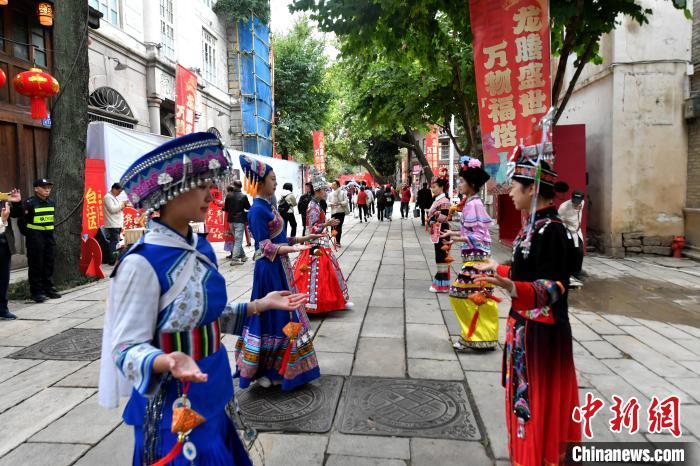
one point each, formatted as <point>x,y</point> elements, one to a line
<point>199,342</point>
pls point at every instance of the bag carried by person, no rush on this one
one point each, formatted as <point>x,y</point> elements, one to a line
<point>416,212</point>
<point>283,206</point>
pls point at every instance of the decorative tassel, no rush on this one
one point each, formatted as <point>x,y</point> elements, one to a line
<point>291,330</point>
<point>172,454</point>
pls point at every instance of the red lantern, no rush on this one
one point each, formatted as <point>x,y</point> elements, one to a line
<point>3,78</point>
<point>37,85</point>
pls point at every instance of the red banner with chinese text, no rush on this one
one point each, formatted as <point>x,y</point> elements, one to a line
<point>93,212</point>
<point>319,151</point>
<point>185,97</point>
<point>511,63</point>
<point>217,227</point>
<point>432,150</point>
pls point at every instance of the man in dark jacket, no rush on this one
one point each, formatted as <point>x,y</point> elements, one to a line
<point>424,201</point>
<point>236,205</point>
<point>303,205</point>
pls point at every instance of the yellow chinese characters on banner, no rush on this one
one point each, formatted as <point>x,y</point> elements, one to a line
<point>511,57</point>
<point>94,191</point>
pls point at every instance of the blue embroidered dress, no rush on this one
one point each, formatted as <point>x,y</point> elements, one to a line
<point>262,348</point>
<point>167,295</point>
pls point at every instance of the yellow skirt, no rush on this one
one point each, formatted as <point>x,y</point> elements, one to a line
<point>478,322</point>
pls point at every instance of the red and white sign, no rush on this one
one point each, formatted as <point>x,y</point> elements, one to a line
<point>511,62</point>
<point>217,227</point>
<point>93,211</point>
<point>432,150</point>
<point>319,151</point>
<point>185,97</point>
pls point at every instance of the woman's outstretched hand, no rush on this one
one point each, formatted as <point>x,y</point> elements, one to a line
<point>502,282</point>
<point>183,367</point>
<point>282,300</point>
<point>489,265</point>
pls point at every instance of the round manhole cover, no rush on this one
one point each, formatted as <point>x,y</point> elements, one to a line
<point>74,345</point>
<point>273,405</point>
<point>409,406</point>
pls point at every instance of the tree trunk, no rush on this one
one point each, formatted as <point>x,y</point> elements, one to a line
<point>570,90</point>
<point>465,110</point>
<point>372,171</point>
<point>566,49</point>
<point>420,155</point>
<point>66,165</point>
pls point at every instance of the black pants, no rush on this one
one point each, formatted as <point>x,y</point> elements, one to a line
<point>363,211</point>
<point>404,209</point>
<point>371,208</point>
<point>380,212</point>
<point>289,219</point>
<point>422,216</point>
<point>41,247</point>
<point>338,229</point>
<point>578,258</point>
<point>5,257</point>
<point>303,223</point>
<point>113,239</point>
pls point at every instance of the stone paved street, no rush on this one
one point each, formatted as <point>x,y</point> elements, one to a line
<point>636,325</point>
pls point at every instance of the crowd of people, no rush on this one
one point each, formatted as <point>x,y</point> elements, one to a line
<point>167,305</point>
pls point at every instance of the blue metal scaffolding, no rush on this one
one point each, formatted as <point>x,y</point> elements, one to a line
<point>255,77</point>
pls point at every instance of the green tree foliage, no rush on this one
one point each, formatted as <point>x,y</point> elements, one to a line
<point>435,35</point>
<point>235,10</point>
<point>302,100</point>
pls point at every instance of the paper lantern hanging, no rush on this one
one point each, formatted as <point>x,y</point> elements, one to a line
<point>3,2</point>
<point>44,10</point>
<point>3,77</point>
<point>38,86</point>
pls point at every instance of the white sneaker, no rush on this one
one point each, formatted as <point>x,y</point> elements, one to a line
<point>432,289</point>
<point>349,305</point>
<point>264,382</point>
<point>575,283</point>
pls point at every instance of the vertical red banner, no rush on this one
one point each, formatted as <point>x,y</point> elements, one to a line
<point>319,151</point>
<point>511,63</point>
<point>185,98</point>
<point>432,150</point>
<point>93,212</point>
<point>217,227</point>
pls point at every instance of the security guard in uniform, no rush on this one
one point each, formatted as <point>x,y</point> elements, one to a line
<point>37,224</point>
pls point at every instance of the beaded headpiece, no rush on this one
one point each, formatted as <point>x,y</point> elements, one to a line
<point>318,181</point>
<point>254,172</point>
<point>174,168</point>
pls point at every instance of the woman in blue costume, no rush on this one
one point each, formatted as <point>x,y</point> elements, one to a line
<point>265,352</point>
<point>166,310</point>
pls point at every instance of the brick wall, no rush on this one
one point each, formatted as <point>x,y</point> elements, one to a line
<point>693,193</point>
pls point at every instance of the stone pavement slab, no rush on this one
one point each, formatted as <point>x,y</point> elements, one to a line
<point>428,342</point>
<point>370,447</point>
<point>380,357</point>
<point>434,452</point>
<point>335,363</point>
<point>340,460</point>
<point>434,369</point>
<point>24,420</point>
<point>86,423</point>
<point>117,449</point>
<point>490,404</point>
<point>384,322</point>
<point>44,454</point>
<point>285,450</point>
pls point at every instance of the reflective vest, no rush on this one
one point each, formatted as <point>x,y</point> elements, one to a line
<point>42,220</point>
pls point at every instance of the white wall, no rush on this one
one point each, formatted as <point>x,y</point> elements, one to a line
<point>636,137</point>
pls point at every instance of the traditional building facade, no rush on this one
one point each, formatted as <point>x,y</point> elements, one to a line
<point>133,58</point>
<point>636,134</point>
